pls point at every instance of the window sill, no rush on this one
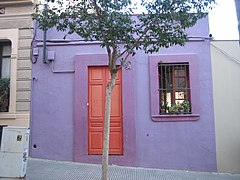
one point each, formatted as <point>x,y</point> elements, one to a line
<point>4,116</point>
<point>177,117</point>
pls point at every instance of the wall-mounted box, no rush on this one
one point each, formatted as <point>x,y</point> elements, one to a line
<point>14,139</point>
<point>1,132</point>
<point>14,147</point>
<point>13,164</point>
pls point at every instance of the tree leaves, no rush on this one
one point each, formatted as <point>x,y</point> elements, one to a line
<point>163,23</point>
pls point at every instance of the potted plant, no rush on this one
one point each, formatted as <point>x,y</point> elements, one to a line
<point>4,94</point>
<point>186,106</point>
<point>180,108</point>
<point>163,108</point>
<point>174,109</point>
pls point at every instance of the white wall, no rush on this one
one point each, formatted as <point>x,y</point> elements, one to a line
<point>226,89</point>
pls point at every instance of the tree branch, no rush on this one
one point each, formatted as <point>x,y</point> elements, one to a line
<point>138,40</point>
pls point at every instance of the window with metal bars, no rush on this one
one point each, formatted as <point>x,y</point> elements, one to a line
<point>5,60</point>
<point>174,88</point>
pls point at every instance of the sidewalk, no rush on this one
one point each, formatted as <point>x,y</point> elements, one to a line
<point>57,170</point>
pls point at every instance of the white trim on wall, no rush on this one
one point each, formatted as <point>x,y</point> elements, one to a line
<point>10,2</point>
<point>13,36</point>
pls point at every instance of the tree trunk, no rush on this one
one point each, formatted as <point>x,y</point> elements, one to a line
<point>106,135</point>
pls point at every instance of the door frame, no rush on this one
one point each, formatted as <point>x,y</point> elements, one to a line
<point>80,154</point>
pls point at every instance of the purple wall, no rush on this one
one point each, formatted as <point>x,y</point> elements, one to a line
<point>82,62</point>
<point>177,145</point>
<point>58,129</point>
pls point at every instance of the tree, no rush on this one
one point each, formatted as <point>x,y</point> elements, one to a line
<point>161,24</point>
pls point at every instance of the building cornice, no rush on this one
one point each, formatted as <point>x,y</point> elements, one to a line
<point>15,16</point>
<point>15,2</point>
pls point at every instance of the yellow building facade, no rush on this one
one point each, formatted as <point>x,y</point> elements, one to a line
<point>226,88</point>
<point>16,32</point>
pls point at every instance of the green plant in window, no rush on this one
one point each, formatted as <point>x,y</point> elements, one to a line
<point>171,109</point>
<point>161,24</point>
<point>174,108</point>
<point>4,94</point>
<point>164,107</point>
<point>180,108</point>
<point>186,106</point>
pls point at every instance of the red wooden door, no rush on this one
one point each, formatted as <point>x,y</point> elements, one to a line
<point>98,77</point>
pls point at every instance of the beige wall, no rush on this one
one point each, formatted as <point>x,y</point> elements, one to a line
<point>16,25</point>
<point>226,87</point>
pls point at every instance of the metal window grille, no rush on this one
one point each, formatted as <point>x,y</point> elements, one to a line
<point>174,88</point>
<point>5,59</point>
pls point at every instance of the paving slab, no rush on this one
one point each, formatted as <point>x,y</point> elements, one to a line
<point>39,169</point>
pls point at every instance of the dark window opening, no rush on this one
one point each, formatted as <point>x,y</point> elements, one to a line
<point>5,61</point>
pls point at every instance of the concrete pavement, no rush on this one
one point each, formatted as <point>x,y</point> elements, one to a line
<point>57,170</point>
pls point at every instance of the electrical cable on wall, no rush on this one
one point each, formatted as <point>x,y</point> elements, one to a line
<point>226,54</point>
<point>33,58</point>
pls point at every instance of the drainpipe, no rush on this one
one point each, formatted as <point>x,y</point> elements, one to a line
<point>237,4</point>
<point>45,37</point>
